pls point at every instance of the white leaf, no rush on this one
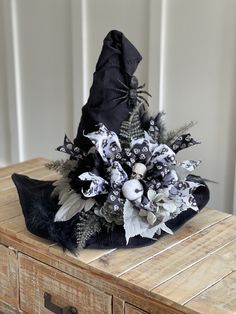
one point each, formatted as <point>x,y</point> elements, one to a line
<point>63,211</point>
<point>133,223</point>
<point>150,232</point>
<point>65,214</point>
<point>151,194</point>
<point>64,195</point>
<point>169,206</point>
<point>89,204</point>
<point>60,185</point>
<point>71,200</point>
<point>165,228</point>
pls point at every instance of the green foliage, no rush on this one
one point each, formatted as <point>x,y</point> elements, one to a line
<point>131,128</point>
<point>89,225</point>
<point>109,214</point>
<point>174,134</point>
<point>64,167</point>
<point>157,130</point>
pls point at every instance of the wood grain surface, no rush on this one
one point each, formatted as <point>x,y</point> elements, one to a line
<point>218,299</point>
<point>8,276</point>
<point>7,309</point>
<point>36,279</point>
<point>164,266</point>
<point>201,276</point>
<point>118,305</point>
<point>118,262</point>
<point>130,309</point>
<point>192,271</point>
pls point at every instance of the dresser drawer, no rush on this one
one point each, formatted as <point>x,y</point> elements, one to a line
<point>36,279</point>
<point>130,309</point>
<point>8,276</point>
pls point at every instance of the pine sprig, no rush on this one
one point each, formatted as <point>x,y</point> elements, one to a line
<point>174,134</point>
<point>89,225</point>
<point>64,167</point>
<point>131,128</point>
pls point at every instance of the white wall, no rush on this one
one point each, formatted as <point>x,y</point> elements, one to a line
<point>48,51</point>
<point>52,48</point>
<point>4,119</point>
<point>199,84</point>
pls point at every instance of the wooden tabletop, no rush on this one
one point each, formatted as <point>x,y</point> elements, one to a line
<point>195,267</point>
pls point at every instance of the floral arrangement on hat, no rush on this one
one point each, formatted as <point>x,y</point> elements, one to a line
<point>131,178</point>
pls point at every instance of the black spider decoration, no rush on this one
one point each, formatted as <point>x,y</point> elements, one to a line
<point>132,92</point>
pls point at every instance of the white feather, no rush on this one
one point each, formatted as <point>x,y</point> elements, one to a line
<point>73,204</point>
<point>89,204</point>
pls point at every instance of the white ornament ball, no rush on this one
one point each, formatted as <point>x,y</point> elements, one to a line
<point>132,190</point>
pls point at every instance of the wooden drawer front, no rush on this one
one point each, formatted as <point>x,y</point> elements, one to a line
<point>8,276</point>
<point>130,309</point>
<point>156,309</point>
<point>37,278</point>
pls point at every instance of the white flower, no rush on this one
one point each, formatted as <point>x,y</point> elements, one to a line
<point>161,202</point>
<point>70,201</point>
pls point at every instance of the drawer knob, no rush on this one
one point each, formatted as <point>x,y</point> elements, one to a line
<point>57,309</point>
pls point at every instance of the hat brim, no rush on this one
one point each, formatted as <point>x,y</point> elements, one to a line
<point>39,210</point>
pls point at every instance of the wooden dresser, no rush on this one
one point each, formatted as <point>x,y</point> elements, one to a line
<point>192,271</point>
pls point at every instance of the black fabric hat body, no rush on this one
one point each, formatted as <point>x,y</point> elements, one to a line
<point>116,65</point>
<point>122,185</point>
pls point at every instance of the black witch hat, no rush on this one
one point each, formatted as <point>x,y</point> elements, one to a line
<point>122,185</point>
<point>114,70</point>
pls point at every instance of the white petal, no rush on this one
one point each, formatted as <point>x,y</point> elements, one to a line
<point>165,228</point>
<point>151,231</point>
<point>151,194</point>
<point>170,207</point>
<point>89,204</point>
<point>72,206</point>
<point>151,218</point>
<point>143,212</point>
<point>73,199</point>
<point>64,195</point>
<point>133,223</point>
<point>158,197</point>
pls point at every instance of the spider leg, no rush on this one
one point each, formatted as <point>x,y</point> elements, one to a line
<point>144,92</point>
<point>141,86</point>
<point>121,102</point>
<point>145,100</point>
<point>139,104</point>
<point>123,84</point>
<point>119,90</point>
<point>122,97</point>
